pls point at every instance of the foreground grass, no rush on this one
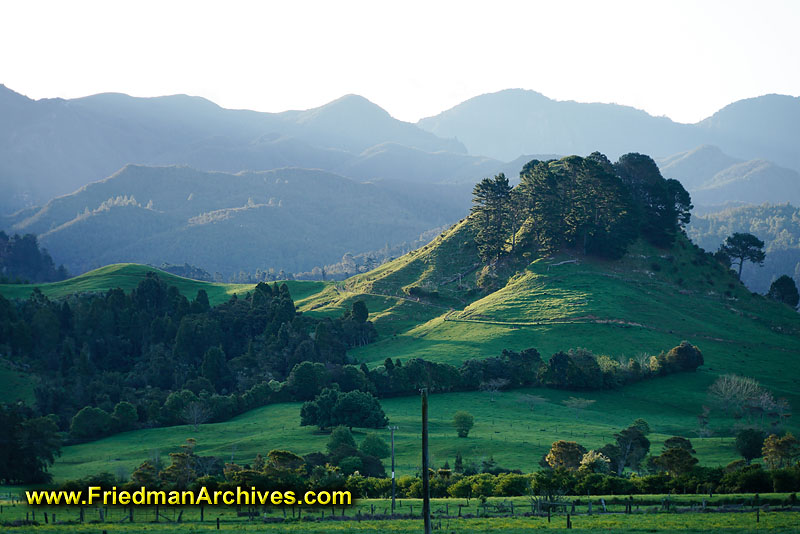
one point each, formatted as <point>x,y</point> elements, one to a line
<point>710,523</point>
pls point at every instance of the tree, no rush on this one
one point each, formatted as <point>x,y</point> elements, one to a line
<point>359,312</point>
<point>780,451</point>
<point>567,454</point>
<point>595,462</point>
<point>733,391</point>
<point>125,416</point>
<point>629,450</point>
<point>493,386</point>
<point>676,461</point>
<point>195,414</point>
<point>684,357</point>
<point>374,445</point>
<point>783,289</point>
<point>677,456</point>
<point>491,209</point>
<point>641,425</point>
<point>340,436</point>
<point>531,401</point>
<point>28,445</point>
<point>749,442</point>
<point>307,379</point>
<point>320,410</point>
<point>91,422</point>
<point>463,423</point>
<point>741,247</point>
<point>215,368</point>
<point>359,409</point>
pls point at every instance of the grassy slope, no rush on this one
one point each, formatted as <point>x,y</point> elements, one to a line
<point>505,429</point>
<point>620,308</point>
<point>128,275</point>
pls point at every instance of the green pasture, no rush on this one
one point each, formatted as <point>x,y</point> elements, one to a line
<point>506,429</point>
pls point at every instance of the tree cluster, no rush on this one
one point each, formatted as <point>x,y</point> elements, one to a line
<point>22,261</point>
<point>28,446</point>
<point>115,361</point>
<point>588,204</point>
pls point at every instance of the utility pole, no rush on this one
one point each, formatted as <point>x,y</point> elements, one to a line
<point>393,428</point>
<point>426,494</point>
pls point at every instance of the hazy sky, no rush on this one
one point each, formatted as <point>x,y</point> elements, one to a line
<point>681,59</point>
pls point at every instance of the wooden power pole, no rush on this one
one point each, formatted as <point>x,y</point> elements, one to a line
<point>393,428</point>
<point>426,494</point>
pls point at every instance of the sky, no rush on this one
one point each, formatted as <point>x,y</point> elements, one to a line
<point>680,59</point>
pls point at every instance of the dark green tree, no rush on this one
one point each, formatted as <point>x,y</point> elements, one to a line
<point>783,289</point>
<point>491,212</point>
<point>463,422</point>
<point>741,247</point>
<point>91,422</point>
<point>28,445</point>
<point>307,379</point>
<point>125,416</point>
<point>749,442</point>
<point>374,445</point>
<point>215,368</point>
<point>340,436</point>
<point>359,409</point>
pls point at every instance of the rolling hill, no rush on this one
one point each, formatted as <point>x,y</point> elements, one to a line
<point>644,303</point>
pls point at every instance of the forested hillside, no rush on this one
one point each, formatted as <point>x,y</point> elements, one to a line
<point>777,225</point>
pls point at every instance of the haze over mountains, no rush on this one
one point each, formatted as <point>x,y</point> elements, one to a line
<point>508,123</point>
<point>420,175</point>
<point>290,219</point>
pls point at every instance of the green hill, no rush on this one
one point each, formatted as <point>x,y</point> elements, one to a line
<point>127,276</point>
<point>426,304</point>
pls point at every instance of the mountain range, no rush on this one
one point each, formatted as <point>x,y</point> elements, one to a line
<point>508,123</point>
<point>713,178</point>
<point>345,177</point>
<point>291,219</point>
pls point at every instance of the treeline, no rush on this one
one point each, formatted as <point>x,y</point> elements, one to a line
<point>157,352</point>
<point>585,203</point>
<point>22,261</point>
<point>576,369</point>
<point>567,469</point>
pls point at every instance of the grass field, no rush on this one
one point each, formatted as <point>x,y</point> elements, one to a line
<point>505,429</point>
<point>318,520</point>
<point>648,302</point>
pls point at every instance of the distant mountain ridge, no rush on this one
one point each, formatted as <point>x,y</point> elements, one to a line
<point>714,178</point>
<point>51,147</point>
<point>507,123</point>
<point>291,219</point>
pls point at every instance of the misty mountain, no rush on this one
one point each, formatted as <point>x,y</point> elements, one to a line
<point>291,219</point>
<point>51,147</point>
<point>713,177</point>
<point>505,124</point>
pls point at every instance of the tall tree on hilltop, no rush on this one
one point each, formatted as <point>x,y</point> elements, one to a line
<point>661,206</point>
<point>741,247</point>
<point>491,210</point>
